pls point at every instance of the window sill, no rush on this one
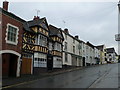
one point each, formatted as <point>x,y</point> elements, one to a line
<point>12,43</point>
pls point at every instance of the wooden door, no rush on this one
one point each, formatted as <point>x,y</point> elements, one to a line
<point>13,65</point>
<point>5,65</point>
<point>26,66</point>
<point>49,62</point>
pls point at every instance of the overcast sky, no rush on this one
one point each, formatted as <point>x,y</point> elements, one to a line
<point>96,22</point>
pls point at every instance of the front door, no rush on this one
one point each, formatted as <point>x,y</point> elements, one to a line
<point>26,66</point>
<point>83,61</point>
<point>49,62</point>
<point>9,65</point>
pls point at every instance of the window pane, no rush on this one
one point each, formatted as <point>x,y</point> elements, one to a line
<point>12,34</point>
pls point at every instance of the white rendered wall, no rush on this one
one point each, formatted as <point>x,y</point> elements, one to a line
<point>69,51</point>
<point>57,62</point>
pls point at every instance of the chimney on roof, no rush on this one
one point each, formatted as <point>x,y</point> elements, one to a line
<point>66,31</point>
<point>77,37</point>
<point>5,5</point>
<point>36,18</point>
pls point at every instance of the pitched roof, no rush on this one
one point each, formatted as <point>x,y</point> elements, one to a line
<point>73,37</point>
<point>11,15</point>
<point>91,45</point>
<point>100,47</point>
<point>54,31</point>
<point>40,23</point>
<point>110,50</point>
<point>26,27</point>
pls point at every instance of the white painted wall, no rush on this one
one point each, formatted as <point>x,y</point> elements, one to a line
<point>69,61</point>
<point>90,55</point>
<point>69,41</point>
<point>83,51</point>
<point>57,62</point>
<point>87,54</point>
<point>69,51</point>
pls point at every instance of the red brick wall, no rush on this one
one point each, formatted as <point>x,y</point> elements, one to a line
<point>5,20</point>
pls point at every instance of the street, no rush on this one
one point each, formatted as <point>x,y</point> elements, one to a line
<point>100,76</point>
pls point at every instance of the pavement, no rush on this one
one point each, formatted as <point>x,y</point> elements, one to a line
<point>26,78</point>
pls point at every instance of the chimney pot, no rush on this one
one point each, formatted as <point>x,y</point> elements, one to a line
<point>36,18</point>
<point>5,5</point>
<point>66,31</point>
<point>77,37</point>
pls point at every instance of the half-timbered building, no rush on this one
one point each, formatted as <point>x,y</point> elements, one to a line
<point>35,45</point>
<point>55,46</point>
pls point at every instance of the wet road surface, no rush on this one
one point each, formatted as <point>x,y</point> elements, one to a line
<point>102,76</point>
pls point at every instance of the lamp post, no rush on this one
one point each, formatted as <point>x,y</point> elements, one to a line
<point>117,36</point>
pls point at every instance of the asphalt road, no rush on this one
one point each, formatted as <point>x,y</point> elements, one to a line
<point>102,76</point>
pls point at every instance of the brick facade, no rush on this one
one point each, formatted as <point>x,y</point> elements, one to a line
<point>5,46</point>
<point>10,53</point>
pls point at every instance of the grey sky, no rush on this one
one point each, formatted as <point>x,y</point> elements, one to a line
<point>96,22</point>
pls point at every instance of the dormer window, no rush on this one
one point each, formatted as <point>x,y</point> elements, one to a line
<point>12,34</point>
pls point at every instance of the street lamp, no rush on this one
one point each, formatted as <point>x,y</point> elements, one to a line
<point>117,36</point>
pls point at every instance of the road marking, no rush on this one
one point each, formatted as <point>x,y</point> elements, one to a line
<point>98,80</point>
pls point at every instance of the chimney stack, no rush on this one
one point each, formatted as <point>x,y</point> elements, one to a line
<point>36,18</point>
<point>5,5</point>
<point>66,31</point>
<point>77,37</point>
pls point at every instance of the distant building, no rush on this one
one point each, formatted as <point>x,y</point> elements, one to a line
<point>90,54</point>
<point>111,55</point>
<point>97,55</point>
<point>103,58</point>
<point>83,52</point>
<point>11,34</point>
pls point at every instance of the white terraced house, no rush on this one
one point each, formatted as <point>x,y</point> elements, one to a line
<point>71,50</point>
<point>97,55</point>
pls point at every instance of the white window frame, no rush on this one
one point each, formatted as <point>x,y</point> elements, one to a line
<point>10,42</point>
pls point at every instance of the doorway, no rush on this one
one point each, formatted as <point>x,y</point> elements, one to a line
<point>83,61</point>
<point>9,65</point>
<point>49,62</point>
